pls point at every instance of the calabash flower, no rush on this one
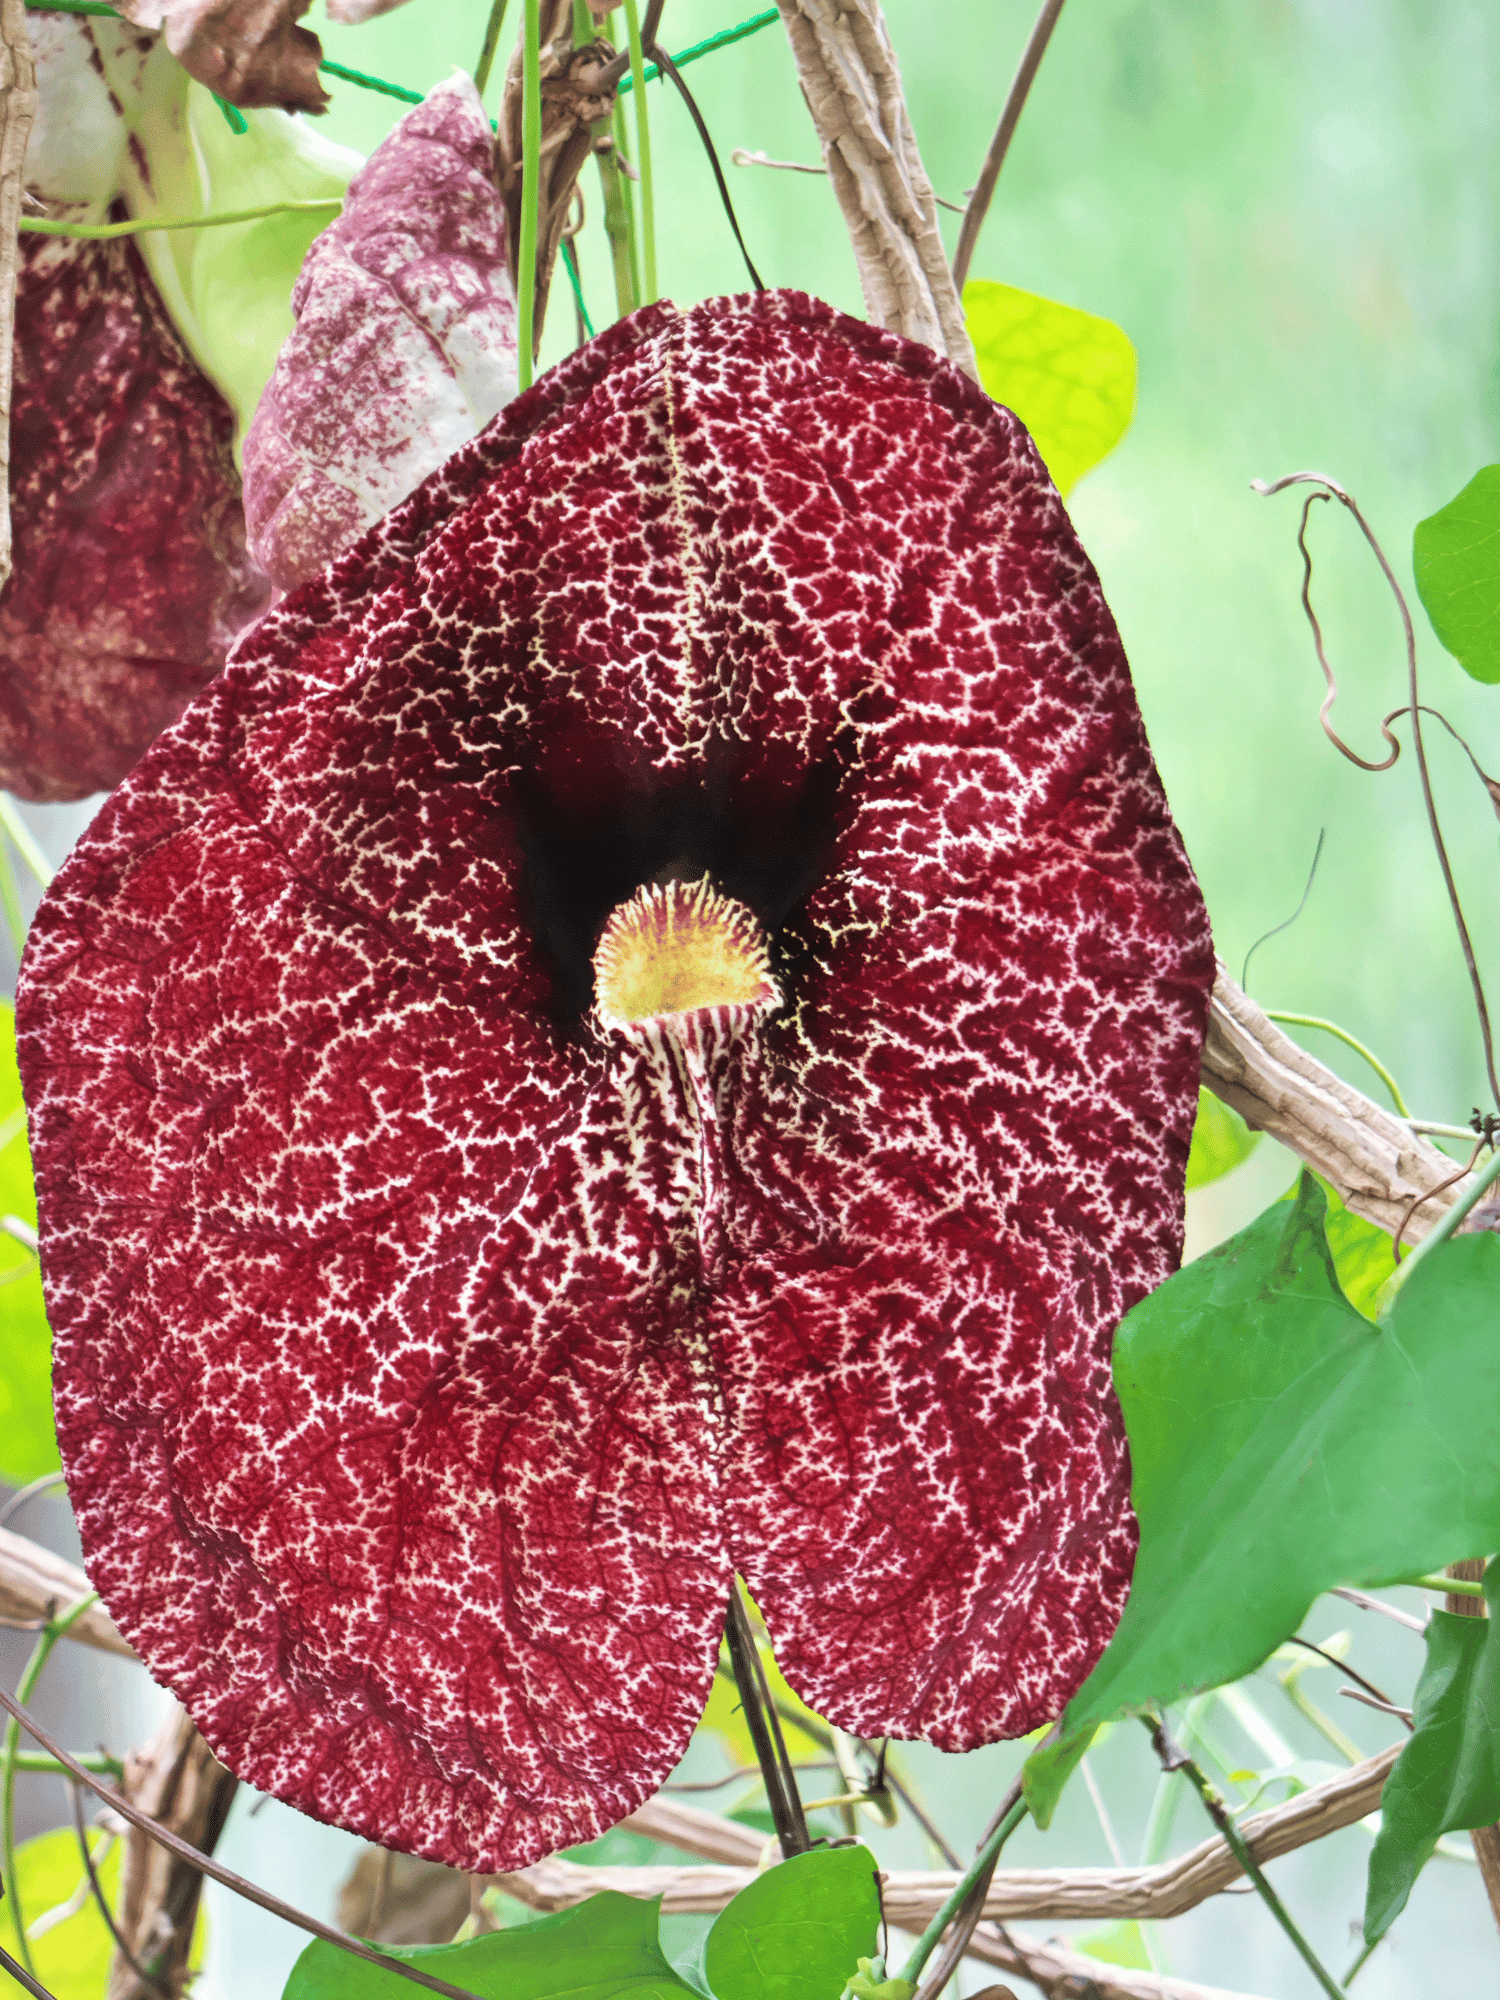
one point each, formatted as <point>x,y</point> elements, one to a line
<point>647,1026</point>
<point>130,574</point>
<point>405,342</point>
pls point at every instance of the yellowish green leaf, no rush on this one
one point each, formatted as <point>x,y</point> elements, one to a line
<point>28,1447</point>
<point>72,1956</point>
<point>1221,1141</point>
<point>1069,376</point>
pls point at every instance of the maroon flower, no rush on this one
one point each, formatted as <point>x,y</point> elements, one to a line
<point>646,1026</point>
<point>130,574</point>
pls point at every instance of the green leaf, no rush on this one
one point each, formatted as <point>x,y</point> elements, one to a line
<point>1364,1261</point>
<point>1118,1944</point>
<point>1282,1445</point>
<point>604,1949</point>
<point>1068,376</point>
<point>1448,1776</point>
<point>229,290</point>
<point>1221,1141</point>
<point>1456,557</point>
<point>796,1932</point>
<point>72,1958</point>
<point>28,1446</point>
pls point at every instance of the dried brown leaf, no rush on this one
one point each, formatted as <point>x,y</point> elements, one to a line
<point>249,51</point>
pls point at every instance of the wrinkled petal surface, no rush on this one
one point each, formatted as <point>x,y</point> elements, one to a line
<point>404,347</point>
<point>130,575</point>
<point>428,1357</point>
<point>250,51</point>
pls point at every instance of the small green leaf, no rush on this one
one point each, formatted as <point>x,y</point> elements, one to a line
<point>1118,1944</point>
<point>1364,1261</point>
<point>1448,1776</point>
<point>1456,557</point>
<point>797,1931</point>
<point>604,1949</point>
<point>1281,1445</point>
<point>72,1957</point>
<point>28,1446</point>
<point>1221,1141</point>
<point>1068,376</point>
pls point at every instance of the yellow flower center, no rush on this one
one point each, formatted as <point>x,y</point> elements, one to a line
<point>677,947</point>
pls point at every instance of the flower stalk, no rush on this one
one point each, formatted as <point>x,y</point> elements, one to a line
<point>765,1731</point>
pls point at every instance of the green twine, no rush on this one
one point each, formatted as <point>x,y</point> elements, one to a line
<point>722,40</point>
<point>373,83</point>
<point>570,265</point>
<point>234,118</point>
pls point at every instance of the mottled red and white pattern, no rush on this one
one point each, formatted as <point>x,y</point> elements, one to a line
<point>130,576</point>
<point>404,346</point>
<point>429,1358</point>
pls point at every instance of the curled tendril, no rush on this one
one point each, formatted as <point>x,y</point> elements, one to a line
<point>1328,488</point>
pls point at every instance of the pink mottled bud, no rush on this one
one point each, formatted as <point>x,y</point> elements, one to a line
<point>404,347</point>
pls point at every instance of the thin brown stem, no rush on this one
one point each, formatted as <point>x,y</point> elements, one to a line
<point>994,159</point>
<point>101,1901</point>
<point>1321,479</point>
<point>206,1865</point>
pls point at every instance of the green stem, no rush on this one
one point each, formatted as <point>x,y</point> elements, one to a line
<point>616,221</point>
<point>47,1638</point>
<point>1456,1586</point>
<point>1440,1232</point>
<point>41,1765</point>
<point>102,232</point>
<point>627,202</point>
<point>1174,1759</point>
<point>10,901</point>
<point>1327,1728</point>
<point>643,143</point>
<point>1343,1035</point>
<point>486,60</point>
<point>927,1943</point>
<point>1359,1964</point>
<point>25,841</point>
<point>531,188</point>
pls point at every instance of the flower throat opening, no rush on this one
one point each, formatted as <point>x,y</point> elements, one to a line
<point>591,838</point>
